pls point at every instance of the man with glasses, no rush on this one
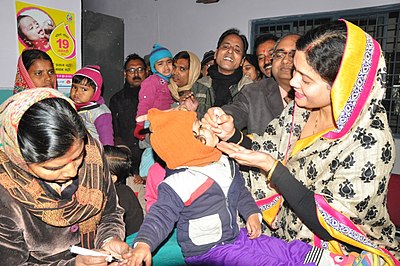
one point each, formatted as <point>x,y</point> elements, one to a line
<point>225,78</point>
<point>282,65</point>
<point>123,106</point>
<point>258,103</point>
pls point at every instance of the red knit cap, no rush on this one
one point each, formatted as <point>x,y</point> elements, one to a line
<point>172,139</point>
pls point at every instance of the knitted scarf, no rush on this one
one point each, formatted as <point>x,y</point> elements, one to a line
<point>84,199</point>
<point>221,84</point>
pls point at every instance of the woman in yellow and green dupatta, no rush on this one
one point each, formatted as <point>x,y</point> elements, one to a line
<point>327,159</point>
<point>55,186</point>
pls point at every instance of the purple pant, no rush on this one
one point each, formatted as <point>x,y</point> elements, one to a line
<point>264,250</point>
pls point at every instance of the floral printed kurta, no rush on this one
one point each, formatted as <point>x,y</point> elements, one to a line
<point>347,168</point>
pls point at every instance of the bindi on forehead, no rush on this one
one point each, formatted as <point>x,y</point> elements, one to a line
<point>267,50</point>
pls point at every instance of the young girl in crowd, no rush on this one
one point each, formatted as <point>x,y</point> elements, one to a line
<point>85,92</point>
<point>32,33</point>
<point>186,71</point>
<point>120,164</point>
<point>203,193</point>
<point>154,93</point>
<point>35,69</point>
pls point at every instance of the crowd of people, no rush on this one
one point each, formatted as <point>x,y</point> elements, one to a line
<point>280,157</point>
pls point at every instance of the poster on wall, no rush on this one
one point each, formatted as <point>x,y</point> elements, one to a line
<point>52,31</point>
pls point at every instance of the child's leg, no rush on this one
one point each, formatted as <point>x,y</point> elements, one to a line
<point>261,251</point>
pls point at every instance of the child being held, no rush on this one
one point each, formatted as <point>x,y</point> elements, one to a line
<point>85,92</point>
<point>154,91</point>
<point>120,164</point>
<point>203,193</point>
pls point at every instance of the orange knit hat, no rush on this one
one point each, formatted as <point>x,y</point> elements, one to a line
<point>172,139</point>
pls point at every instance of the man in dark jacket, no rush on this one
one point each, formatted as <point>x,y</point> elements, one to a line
<point>258,103</point>
<point>123,106</point>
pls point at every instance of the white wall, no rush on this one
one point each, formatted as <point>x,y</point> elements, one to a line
<point>176,24</point>
<point>184,24</point>
<point>8,32</point>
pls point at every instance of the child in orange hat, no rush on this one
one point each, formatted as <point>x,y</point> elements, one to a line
<point>202,194</point>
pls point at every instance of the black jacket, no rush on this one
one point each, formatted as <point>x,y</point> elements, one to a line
<point>123,106</point>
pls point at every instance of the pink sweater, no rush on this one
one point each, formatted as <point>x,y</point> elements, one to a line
<point>154,178</point>
<point>154,93</point>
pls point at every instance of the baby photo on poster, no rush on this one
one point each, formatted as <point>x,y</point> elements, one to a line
<point>34,28</point>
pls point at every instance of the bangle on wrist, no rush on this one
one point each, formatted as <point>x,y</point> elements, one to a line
<point>271,171</point>
<point>241,138</point>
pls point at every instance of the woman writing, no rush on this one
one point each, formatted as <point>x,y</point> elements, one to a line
<point>35,69</point>
<point>327,158</point>
<point>55,187</point>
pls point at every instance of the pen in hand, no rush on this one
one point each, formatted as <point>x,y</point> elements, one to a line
<point>88,252</point>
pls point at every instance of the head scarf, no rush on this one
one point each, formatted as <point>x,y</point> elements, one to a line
<point>347,168</point>
<point>173,140</point>
<point>84,207</point>
<point>355,80</point>
<point>194,72</point>
<point>11,112</point>
<point>22,79</point>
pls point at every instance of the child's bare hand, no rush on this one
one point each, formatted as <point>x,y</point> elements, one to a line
<point>253,226</point>
<point>141,253</point>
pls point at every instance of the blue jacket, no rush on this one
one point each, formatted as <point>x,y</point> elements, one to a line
<point>194,198</point>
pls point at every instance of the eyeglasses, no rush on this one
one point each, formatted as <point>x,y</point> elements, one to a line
<point>133,70</point>
<point>228,46</point>
<point>282,54</point>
